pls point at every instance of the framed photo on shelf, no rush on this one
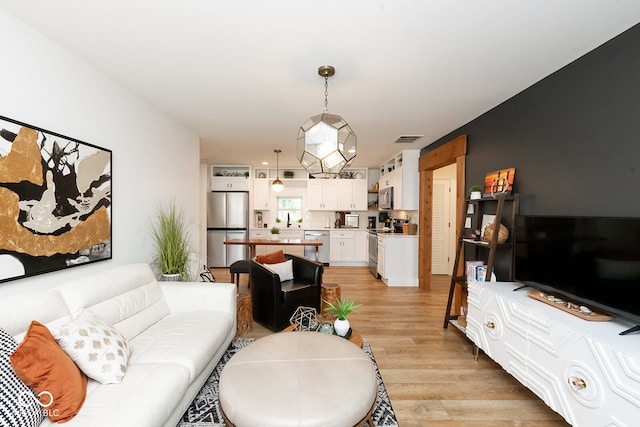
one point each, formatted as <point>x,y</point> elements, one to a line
<point>487,219</point>
<point>499,182</point>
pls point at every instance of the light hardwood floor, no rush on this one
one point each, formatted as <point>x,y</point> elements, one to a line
<point>429,372</point>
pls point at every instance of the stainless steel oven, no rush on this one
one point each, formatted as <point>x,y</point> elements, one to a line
<point>372,240</point>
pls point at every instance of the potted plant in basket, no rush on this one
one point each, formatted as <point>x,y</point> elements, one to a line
<point>341,308</point>
<point>171,241</point>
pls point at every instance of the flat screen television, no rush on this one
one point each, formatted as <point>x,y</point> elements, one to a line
<point>594,261</point>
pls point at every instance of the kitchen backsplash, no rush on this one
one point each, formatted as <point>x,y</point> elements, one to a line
<point>323,219</point>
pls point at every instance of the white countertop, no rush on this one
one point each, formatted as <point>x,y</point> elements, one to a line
<point>378,231</point>
<point>398,235</point>
<point>309,228</point>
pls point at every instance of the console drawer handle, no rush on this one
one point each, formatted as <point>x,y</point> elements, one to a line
<point>490,325</point>
<point>578,383</point>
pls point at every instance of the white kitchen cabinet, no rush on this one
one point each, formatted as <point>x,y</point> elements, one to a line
<point>342,243</point>
<point>352,194</point>
<point>348,247</point>
<point>261,195</point>
<point>389,180</point>
<point>322,194</point>
<point>583,370</point>
<point>226,183</point>
<point>230,177</point>
<point>399,264</point>
<point>402,174</point>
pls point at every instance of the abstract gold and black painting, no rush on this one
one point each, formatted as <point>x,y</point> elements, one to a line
<point>55,201</point>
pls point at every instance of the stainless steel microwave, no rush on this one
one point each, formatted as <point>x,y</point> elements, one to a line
<point>386,198</point>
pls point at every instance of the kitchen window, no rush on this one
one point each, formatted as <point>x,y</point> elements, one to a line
<point>289,209</point>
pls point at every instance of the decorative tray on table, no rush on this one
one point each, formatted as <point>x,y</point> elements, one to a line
<point>346,336</point>
<point>581,311</point>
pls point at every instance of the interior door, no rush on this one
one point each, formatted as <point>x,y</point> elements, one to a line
<point>441,259</point>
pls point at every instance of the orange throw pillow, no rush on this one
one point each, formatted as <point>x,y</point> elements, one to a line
<point>271,258</point>
<point>41,364</point>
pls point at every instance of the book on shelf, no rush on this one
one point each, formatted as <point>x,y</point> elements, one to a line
<point>476,271</point>
<point>472,269</point>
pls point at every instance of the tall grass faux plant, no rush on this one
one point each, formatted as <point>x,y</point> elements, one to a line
<point>171,241</point>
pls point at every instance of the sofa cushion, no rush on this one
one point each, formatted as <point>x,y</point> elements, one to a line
<point>99,349</point>
<point>272,257</point>
<point>145,398</point>
<point>18,310</point>
<point>18,403</point>
<point>283,269</point>
<point>187,339</point>
<point>41,364</point>
<point>126,296</point>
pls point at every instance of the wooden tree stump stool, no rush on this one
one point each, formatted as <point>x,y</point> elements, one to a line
<point>244,314</point>
<point>330,292</point>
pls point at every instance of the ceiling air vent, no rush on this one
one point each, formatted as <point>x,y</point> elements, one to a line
<point>407,139</point>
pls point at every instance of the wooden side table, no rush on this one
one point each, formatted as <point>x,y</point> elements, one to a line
<point>244,317</point>
<point>330,292</point>
<point>355,336</point>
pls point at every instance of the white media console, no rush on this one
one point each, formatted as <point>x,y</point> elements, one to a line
<point>581,369</point>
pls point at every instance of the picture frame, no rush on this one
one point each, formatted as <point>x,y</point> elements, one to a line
<point>55,201</point>
<point>487,219</point>
<point>499,182</point>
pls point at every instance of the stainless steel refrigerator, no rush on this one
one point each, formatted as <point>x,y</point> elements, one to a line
<point>227,218</point>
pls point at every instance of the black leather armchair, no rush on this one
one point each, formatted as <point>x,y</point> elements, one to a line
<point>273,302</point>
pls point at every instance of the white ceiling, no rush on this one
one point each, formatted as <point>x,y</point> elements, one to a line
<point>243,74</point>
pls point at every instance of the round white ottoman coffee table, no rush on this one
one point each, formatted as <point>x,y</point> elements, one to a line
<point>301,379</point>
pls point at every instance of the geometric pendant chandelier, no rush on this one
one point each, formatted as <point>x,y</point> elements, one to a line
<point>326,144</point>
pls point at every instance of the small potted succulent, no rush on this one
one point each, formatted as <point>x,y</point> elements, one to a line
<point>341,308</point>
<point>275,231</point>
<point>475,192</point>
<point>299,222</point>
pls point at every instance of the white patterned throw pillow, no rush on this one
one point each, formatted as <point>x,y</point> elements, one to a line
<point>19,405</point>
<point>99,350</point>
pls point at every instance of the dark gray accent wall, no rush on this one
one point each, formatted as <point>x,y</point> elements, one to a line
<point>573,137</point>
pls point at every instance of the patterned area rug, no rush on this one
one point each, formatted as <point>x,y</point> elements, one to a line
<point>204,411</point>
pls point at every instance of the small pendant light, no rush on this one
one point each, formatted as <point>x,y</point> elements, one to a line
<point>277,185</point>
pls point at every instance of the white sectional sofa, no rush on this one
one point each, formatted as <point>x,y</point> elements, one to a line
<point>177,333</point>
